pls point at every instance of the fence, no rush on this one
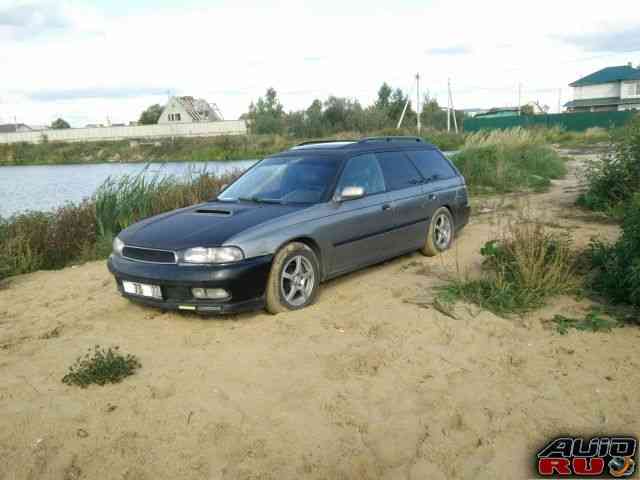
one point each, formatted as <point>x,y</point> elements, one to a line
<point>140,132</point>
<point>576,122</point>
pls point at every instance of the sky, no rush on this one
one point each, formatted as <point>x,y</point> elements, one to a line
<point>106,60</point>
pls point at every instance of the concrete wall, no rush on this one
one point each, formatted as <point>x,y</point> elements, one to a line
<point>604,90</point>
<point>141,132</point>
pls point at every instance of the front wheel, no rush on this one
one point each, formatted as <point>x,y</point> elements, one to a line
<point>294,279</point>
<point>440,233</point>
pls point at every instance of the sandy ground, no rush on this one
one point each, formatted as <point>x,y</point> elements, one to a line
<point>361,385</point>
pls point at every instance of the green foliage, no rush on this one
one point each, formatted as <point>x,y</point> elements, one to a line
<point>79,232</point>
<point>617,266</point>
<point>508,161</point>
<point>60,124</point>
<point>267,115</point>
<point>101,366</point>
<point>151,115</point>
<point>592,322</point>
<point>615,178</point>
<point>520,271</point>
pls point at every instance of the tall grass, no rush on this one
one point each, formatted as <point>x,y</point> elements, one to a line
<point>48,240</point>
<point>503,161</point>
<point>524,267</point>
<point>229,147</point>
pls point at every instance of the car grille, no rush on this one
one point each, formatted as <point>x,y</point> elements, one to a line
<point>149,255</point>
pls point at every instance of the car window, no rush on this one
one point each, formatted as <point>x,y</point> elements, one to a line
<point>398,170</point>
<point>303,179</point>
<point>432,164</point>
<point>362,171</point>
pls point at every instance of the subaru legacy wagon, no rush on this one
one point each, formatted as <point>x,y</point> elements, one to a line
<point>292,221</point>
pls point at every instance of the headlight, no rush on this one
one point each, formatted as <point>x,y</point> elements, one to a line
<point>118,245</point>
<point>212,255</point>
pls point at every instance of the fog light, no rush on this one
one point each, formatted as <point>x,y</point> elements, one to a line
<point>210,293</point>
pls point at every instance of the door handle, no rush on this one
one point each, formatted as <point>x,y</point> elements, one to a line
<point>387,206</point>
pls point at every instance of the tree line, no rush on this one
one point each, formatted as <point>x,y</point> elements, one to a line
<point>338,114</point>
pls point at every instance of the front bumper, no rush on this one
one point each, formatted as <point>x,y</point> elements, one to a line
<point>245,280</point>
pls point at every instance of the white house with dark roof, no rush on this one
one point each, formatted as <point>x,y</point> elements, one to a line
<point>612,88</point>
<point>189,110</point>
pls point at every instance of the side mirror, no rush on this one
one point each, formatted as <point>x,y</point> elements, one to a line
<point>350,193</point>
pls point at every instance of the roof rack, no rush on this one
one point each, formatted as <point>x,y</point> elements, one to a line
<point>312,142</point>
<point>399,138</point>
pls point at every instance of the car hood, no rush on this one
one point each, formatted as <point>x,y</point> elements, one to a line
<point>206,225</point>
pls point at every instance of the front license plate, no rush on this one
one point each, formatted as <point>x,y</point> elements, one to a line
<point>142,289</point>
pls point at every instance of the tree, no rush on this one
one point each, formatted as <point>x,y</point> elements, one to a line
<point>268,114</point>
<point>151,115</point>
<point>60,124</point>
<point>384,93</point>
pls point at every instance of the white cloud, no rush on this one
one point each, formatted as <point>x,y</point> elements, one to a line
<point>86,63</point>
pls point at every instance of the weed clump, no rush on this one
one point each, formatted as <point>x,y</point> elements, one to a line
<point>592,322</point>
<point>101,366</point>
<point>520,271</point>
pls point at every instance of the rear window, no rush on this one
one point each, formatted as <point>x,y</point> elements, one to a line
<point>398,170</point>
<point>432,165</point>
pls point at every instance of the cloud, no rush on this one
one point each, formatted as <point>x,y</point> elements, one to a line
<point>620,41</point>
<point>452,50</point>
<point>32,19</point>
<point>97,92</point>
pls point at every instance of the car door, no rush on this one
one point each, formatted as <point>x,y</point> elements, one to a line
<point>442,182</point>
<point>410,207</point>
<point>359,229</point>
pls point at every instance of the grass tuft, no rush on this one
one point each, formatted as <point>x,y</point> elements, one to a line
<point>592,322</point>
<point>521,271</point>
<point>101,366</point>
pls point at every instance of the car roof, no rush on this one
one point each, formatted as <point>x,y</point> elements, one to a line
<point>349,147</point>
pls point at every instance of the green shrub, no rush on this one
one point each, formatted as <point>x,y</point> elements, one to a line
<point>101,366</point>
<point>520,271</point>
<point>615,178</point>
<point>617,266</point>
<point>509,167</point>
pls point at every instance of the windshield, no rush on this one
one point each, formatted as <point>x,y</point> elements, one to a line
<point>303,179</point>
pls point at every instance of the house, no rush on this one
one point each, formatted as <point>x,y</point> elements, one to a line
<point>499,112</point>
<point>612,88</point>
<point>189,110</point>
<point>14,128</point>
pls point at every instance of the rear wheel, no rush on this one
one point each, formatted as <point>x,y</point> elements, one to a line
<point>294,278</point>
<point>440,233</point>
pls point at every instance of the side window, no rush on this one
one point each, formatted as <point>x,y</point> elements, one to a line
<point>362,171</point>
<point>398,170</point>
<point>432,165</point>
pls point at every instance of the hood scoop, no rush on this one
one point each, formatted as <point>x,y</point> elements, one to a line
<point>214,211</point>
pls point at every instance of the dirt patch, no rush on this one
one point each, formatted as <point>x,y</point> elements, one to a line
<point>367,383</point>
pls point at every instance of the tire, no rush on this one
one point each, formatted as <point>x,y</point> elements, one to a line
<point>435,244</point>
<point>284,271</point>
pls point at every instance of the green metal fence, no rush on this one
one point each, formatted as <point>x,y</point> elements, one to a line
<point>575,122</point>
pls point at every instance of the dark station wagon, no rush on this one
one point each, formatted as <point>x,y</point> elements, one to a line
<point>292,221</point>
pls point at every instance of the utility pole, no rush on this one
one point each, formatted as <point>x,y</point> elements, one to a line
<point>559,100</point>
<point>451,110</point>
<point>519,98</point>
<point>418,101</point>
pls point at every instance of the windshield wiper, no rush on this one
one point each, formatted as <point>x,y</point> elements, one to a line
<point>261,200</point>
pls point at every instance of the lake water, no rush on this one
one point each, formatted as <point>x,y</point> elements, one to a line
<point>45,187</point>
